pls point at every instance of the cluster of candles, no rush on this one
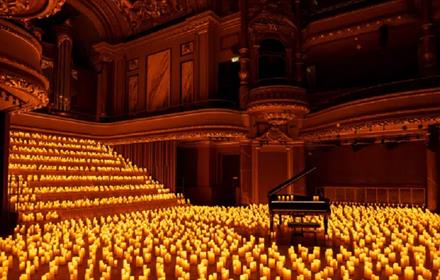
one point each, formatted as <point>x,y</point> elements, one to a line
<point>15,167</point>
<point>79,179</point>
<point>61,151</point>
<point>101,188</point>
<point>86,202</point>
<point>31,158</point>
<point>22,136</point>
<point>188,242</point>
<point>49,174</point>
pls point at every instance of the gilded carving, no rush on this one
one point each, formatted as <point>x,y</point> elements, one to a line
<point>143,14</point>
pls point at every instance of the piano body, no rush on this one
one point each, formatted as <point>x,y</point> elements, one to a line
<point>297,205</point>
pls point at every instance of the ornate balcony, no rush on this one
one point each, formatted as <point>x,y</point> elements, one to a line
<point>278,104</point>
<point>22,86</point>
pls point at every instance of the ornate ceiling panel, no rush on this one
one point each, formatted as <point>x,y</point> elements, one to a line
<point>28,9</point>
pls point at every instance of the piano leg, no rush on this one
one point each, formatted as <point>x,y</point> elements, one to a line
<point>325,224</point>
<point>271,222</point>
<point>281,221</point>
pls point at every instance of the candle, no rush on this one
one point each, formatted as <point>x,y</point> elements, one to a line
<point>271,263</point>
<point>211,257</point>
<point>193,259</point>
<point>315,266</point>
<point>408,273</point>
<point>236,265</point>
<point>253,266</point>
<point>266,272</point>
<point>219,266</point>
<point>287,274</point>
<point>225,274</point>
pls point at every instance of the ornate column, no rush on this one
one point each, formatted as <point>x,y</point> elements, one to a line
<point>299,56</point>
<point>4,156</point>
<point>63,88</point>
<point>427,45</point>
<point>432,169</point>
<point>432,179</point>
<point>103,66</point>
<point>244,56</point>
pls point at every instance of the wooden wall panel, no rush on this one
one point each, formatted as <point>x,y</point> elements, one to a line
<point>374,165</point>
<point>158,80</point>
<point>187,82</point>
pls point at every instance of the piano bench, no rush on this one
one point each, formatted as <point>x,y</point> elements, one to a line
<point>303,225</point>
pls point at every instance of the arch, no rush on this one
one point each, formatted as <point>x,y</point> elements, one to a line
<point>105,16</point>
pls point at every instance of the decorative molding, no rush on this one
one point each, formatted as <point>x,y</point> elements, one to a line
<point>189,133</point>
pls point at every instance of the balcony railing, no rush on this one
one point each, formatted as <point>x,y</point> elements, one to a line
<point>325,100</point>
<point>328,8</point>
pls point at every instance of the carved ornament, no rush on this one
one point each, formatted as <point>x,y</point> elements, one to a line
<point>274,135</point>
<point>46,63</point>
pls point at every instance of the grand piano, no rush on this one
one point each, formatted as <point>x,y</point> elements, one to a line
<point>297,205</point>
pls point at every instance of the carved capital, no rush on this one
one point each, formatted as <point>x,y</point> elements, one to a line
<point>62,38</point>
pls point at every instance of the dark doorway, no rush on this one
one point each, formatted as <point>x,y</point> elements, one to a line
<point>229,81</point>
<point>229,188</point>
<point>186,177</point>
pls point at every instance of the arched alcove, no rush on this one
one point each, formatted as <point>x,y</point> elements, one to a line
<point>271,62</point>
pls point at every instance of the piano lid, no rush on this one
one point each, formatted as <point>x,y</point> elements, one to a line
<point>291,181</point>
